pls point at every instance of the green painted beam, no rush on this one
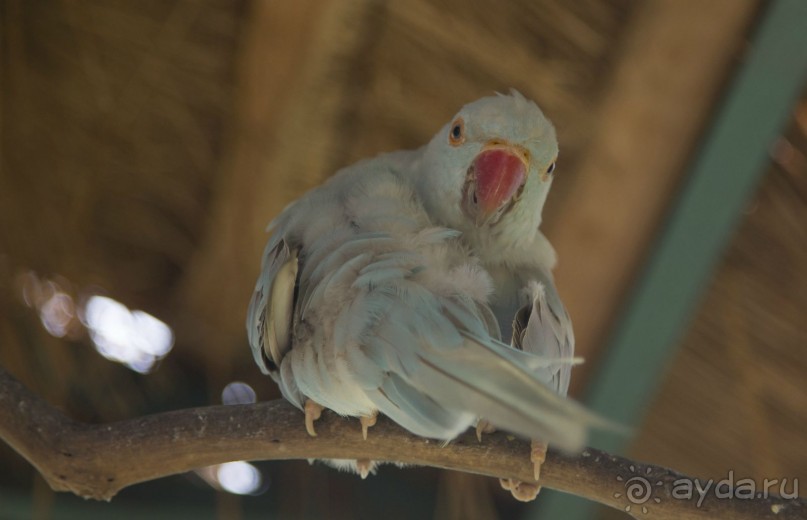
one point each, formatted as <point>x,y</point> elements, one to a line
<point>723,178</point>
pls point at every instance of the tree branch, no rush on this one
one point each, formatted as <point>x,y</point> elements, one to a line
<point>97,461</point>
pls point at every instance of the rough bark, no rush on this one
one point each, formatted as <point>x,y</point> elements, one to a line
<point>98,460</point>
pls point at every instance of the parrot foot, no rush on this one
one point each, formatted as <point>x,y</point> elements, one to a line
<point>364,467</point>
<point>483,426</point>
<point>522,491</point>
<point>527,491</point>
<point>313,411</point>
<point>537,456</point>
<point>366,422</point>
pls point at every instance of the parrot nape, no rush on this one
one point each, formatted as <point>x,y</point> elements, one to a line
<point>395,287</point>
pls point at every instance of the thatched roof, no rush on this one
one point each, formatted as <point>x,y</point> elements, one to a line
<point>146,144</point>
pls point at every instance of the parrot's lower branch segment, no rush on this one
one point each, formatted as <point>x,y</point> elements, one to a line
<point>98,460</point>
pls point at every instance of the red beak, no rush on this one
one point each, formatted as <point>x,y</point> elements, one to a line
<point>499,174</point>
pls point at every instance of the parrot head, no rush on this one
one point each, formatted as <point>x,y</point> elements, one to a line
<point>489,170</point>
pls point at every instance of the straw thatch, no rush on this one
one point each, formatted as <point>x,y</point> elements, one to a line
<point>146,144</point>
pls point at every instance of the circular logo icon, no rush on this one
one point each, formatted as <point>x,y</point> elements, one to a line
<point>638,491</point>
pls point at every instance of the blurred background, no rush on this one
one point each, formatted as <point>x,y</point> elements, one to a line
<point>145,145</point>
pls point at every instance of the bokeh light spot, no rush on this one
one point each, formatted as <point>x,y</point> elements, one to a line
<point>134,338</point>
<point>239,477</point>
<point>238,393</point>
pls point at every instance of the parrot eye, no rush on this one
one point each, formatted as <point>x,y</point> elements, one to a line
<point>457,134</point>
<point>550,169</point>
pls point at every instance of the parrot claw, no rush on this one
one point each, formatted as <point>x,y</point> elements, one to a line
<point>313,411</point>
<point>537,457</point>
<point>483,426</point>
<point>527,491</point>
<point>366,422</point>
<point>364,466</point>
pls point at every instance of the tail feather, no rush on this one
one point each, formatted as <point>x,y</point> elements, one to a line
<point>484,380</point>
<point>436,379</point>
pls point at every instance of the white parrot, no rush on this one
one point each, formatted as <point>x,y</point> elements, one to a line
<point>389,288</point>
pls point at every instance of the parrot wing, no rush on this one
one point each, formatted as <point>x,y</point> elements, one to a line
<point>543,327</point>
<point>269,318</point>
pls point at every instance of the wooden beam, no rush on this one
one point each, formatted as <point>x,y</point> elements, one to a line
<point>727,169</point>
<point>282,142</point>
<point>674,62</point>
